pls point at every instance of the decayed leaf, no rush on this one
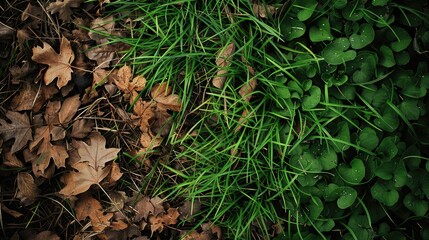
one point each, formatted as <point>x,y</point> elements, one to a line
<point>263,11</point>
<point>68,109</point>
<point>101,26</point>
<point>123,80</point>
<point>171,217</point>
<point>143,208</point>
<point>35,12</point>
<point>223,61</point>
<point>115,174</point>
<point>46,235</point>
<point>63,8</point>
<point>27,189</point>
<point>9,211</point>
<point>87,206</point>
<point>161,93</point>
<point>59,64</point>
<point>96,154</point>
<point>26,99</point>
<point>19,129</point>
<point>82,128</point>
<point>103,55</point>
<point>11,160</point>
<point>80,181</point>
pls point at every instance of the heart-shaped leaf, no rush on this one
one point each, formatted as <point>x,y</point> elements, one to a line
<point>353,10</point>
<point>380,2</point>
<point>361,228</point>
<point>321,31</point>
<point>315,208</point>
<point>292,29</point>
<point>363,37</point>
<point>388,121</point>
<point>402,58</point>
<point>384,193</point>
<point>347,197</point>
<point>399,38</point>
<point>306,165</point>
<point>353,174</point>
<point>368,138</point>
<point>334,79</point>
<point>410,108</point>
<point>387,59</point>
<point>387,149</point>
<point>363,67</point>
<point>337,52</point>
<point>418,206</point>
<point>306,9</point>
<point>343,135</point>
<point>324,225</point>
<point>310,102</point>
<point>328,159</point>
<point>283,92</point>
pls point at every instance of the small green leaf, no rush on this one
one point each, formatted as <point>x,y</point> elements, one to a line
<point>363,67</point>
<point>379,2</point>
<point>328,159</point>
<point>310,102</point>
<point>384,194</point>
<point>325,225</point>
<point>368,138</point>
<point>343,134</point>
<point>410,108</point>
<point>347,197</point>
<point>387,149</point>
<point>399,37</point>
<point>402,58</point>
<point>283,92</point>
<point>292,29</point>
<point>306,9</point>
<point>353,174</point>
<point>388,121</point>
<point>353,10</point>
<point>418,206</point>
<point>315,208</point>
<point>363,38</point>
<point>339,4</point>
<point>337,52</point>
<point>321,31</point>
<point>387,59</point>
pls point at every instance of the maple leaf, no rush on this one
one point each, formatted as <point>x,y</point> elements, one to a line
<point>63,8</point>
<point>59,64</point>
<point>19,129</point>
<point>11,160</point>
<point>161,93</point>
<point>223,61</point>
<point>96,154</point>
<point>27,189</point>
<point>80,181</point>
<point>88,206</point>
<point>82,128</point>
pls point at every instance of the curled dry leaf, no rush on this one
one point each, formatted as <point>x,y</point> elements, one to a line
<point>19,129</point>
<point>63,8</point>
<point>9,211</point>
<point>143,208</point>
<point>87,206</point>
<point>263,10</point>
<point>223,61</point>
<point>101,26</point>
<point>103,55</point>
<point>161,93</point>
<point>11,160</point>
<point>34,12</point>
<point>27,189</point>
<point>59,64</point>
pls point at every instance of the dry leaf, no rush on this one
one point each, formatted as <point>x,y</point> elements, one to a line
<point>263,10</point>
<point>11,160</point>
<point>223,61</point>
<point>63,8</point>
<point>161,93</point>
<point>103,55</point>
<point>34,12</point>
<point>115,174</point>
<point>27,189</point>
<point>26,98</point>
<point>101,26</point>
<point>143,207</point>
<point>19,129</point>
<point>82,128</point>
<point>9,211</point>
<point>80,181</point>
<point>156,224</point>
<point>68,109</point>
<point>59,64</point>
<point>46,235</point>
<point>87,206</point>
<point>171,217</point>
<point>96,154</point>
<point>189,208</point>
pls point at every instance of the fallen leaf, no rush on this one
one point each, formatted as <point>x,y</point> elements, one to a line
<point>103,55</point>
<point>88,206</point>
<point>27,189</point>
<point>80,181</point>
<point>46,235</point>
<point>68,109</point>
<point>143,208</point>
<point>171,217</point>
<point>263,10</point>
<point>101,26</point>
<point>59,64</point>
<point>26,98</point>
<point>19,129</point>
<point>161,93</point>
<point>96,154</point>
<point>158,204</point>
<point>34,12</point>
<point>11,160</point>
<point>9,211</point>
<point>81,128</point>
<point>63,8</point>
<point>223,61</point>
<point>115,174</point>
<point>189,209</point>
<point>156,224</point>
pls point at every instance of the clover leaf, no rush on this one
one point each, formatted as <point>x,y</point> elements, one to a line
<point>343,137</point>
<point>387,149</point>
<point>399,38</point>
<point>292,29</point>
<point>328,159</point>
<point>388,121</point>
<point>324,225</point>
<point>352,11</point>
<point>304,164</point>
<point>384,193</point>
<point>363,67</point>
<point>315,208</point>
<point>311,101</point>
<point>402,58</point>
<point>306,9</point>
<point>353,174</point>
<point>347,197</point>
<point>283,92</point>
<point>321,31</point>
<point>368,138</point>
<point>387,59</point>
<point>337,52</point>
<point>418,206</point>
<point>379,2</point>
<point>410,108</point>
<point>335,79</point>
<point>339,4</point>
<point>361,228</point>
<point>363,38</point>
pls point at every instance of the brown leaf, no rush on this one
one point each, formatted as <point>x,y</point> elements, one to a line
<point>223,61</point>
<point>263,10</point>
<point>170,218</point>
<point>157,203</point>
<point>96,154</point>
<point>82,128</point>
<point>34,12</point>
<point>123,77</point>
<point>100,27</point>
<point>103,55</point>
<point>115,174</point>
<point>156,224</point>
<point>9,211</point>
<point>19,129</point>
<point>87,206</point>
<point>26,98</point>
<point>189,208</point>
<point>80,181</point>
<point>143,207</point>
<point>63,8</point>
<point>59,64</point>
<point>11,160</point>
<point>27,189</point>
<point>161,93</point>
<point>69,109</point>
